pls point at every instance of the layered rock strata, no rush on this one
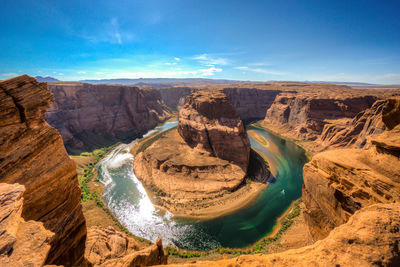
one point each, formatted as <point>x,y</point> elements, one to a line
<point>339,182</point>
<point>108,247</point>
<point>32,154</point>
<point>208,122</point>
<point>370,238</point>
<point>91,116</point>
<point>305,115</point>
<point>22,243</point>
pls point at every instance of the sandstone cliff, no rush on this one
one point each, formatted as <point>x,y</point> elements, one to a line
<point>208,122</point>
<point>305,114</point>
<point>22,243</point>
<point>251,103</point>
<point>90,116</point>
<point>32,154</point>
<point>370,238</point>
<point>339,182</point>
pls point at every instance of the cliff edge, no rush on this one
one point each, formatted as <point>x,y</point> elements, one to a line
<point>32,154</point>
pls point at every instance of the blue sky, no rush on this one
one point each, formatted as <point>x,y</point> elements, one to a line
<point>337,40</point>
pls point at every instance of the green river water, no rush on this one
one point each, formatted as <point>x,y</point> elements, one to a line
<point>126,197</point>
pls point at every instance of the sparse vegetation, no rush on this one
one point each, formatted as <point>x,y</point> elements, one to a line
<point>88,173</point>
<point>182,254</point>
<point>259,247</point>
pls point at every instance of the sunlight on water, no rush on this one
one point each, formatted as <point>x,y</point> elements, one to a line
<point>127,198</point>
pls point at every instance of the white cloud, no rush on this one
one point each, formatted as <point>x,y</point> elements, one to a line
<point>177,58</point>
<point>259,64</point>
<point>169,63</point>
<point>99,73</point>
<point>210,71</point>
<point>81,72</point>
<point>108,32</point>
<point>207,59</point>
<point>9,74</point>
<point>260,70</point>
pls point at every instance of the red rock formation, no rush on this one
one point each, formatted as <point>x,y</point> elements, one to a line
<point>208,122</point>
<point>108,247</point>
<point>304,115</point>
<point>32,154</point>
<point>90,116</point>
<point>339,182</point>
<point>370,238</point>
<point>22,243</point>
<point>353,132</point>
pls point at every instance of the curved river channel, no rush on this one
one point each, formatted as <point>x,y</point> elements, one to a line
<point>126,197</point>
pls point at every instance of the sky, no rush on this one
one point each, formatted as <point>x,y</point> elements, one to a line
<point>345,41</point>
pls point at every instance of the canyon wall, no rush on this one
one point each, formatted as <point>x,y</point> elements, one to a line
<point>304,115</point>
<point>91,116</point>
<point>251,103</point>
<point>174,97</point>
<point>32,154</point>
<point>339,182</point>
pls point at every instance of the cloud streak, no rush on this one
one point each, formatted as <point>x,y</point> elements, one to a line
<point>208,60</point>
<point>260,70</point>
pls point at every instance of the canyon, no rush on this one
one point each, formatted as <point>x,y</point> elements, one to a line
<point>351,184</point>
<point>92,116</point>
<point>41,213</point>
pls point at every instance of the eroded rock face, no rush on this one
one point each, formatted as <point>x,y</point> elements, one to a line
<point>22,243</point>
<point>251,103</point>
<point>208,122</point>
<point>108,247</point>
<point>32,154</point>
<point>305,114</point>
<point>91,116</point>
<point>353,132</point>
<point>339,182</point>
<point>370,238</point>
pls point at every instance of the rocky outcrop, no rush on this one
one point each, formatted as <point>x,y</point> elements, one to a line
<point>370,238</point>
<point>108,247</point>
<point>91,116</point>
<point>21,243</point>
<point>304,115</point>
<point>208,122</point>
<point>32,154</point>
<point>339,182</point>
<point>198,170</point>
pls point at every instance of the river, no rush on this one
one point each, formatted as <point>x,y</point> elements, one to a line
<point>125,196</point>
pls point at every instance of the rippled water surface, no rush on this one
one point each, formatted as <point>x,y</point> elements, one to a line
<point>126,197</point>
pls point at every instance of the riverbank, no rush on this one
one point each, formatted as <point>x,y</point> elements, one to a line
<point>95,211</point>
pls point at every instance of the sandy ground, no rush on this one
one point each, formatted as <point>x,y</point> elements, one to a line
<point>296,236</point>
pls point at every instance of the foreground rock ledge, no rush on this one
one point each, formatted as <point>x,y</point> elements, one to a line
<point>370,238</point>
